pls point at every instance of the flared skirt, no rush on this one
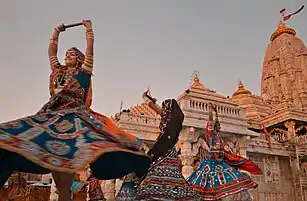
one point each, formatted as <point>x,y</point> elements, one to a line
<point>216,179</point>
<point>67,141</point>
<point>165,182</point>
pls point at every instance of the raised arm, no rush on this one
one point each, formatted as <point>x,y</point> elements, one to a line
<point>53,47</point>
<point>151,102</point>
<point>209,126</point>
<point>89,53</point>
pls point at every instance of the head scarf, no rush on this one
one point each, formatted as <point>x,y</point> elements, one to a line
<point>79,54</point>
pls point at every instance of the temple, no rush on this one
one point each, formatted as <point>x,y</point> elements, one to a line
<point>270,129</point>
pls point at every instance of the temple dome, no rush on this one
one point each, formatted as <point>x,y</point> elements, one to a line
<point>282,28</point>
<point>241,90</point>
<point>196,82</point>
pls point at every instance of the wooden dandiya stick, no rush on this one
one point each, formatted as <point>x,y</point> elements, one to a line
<point>73,25</point>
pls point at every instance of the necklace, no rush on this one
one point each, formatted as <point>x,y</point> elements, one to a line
<point>63,78</point>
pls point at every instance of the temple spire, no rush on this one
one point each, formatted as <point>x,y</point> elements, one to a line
<point>241,90</point>
<point>286,55</point>
<point>196,82</point>
<point>282,25</point>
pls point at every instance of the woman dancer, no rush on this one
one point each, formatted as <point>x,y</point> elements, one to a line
<point>93,189</point>
<point>164,180</point>
<point>214,179</point>
<point>18,188</point>
<point>66,135</point>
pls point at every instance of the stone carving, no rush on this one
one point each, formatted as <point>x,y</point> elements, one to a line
<point>290,125</point>
<point>268,170</point>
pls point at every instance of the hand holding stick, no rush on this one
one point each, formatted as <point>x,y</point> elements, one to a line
<point>73,25</point>
<point>151,102</point>
<point>63,27</point>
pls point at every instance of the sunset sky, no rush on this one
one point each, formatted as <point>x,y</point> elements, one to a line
<point>138,43</point>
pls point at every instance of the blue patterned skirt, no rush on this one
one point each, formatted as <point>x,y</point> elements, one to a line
<point>164,181</point>
<point>67,141</point>
<point>216,179</point>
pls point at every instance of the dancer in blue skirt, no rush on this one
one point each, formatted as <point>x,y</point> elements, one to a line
<point>215,179</point>
<point>66,135</point>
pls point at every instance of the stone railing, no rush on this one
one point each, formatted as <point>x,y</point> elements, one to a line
<point>279,135</point>
<point>221,109</point>
<point>140,119</point>
<point>301,140</point>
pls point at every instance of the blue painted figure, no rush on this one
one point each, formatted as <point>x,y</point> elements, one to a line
<point>214,178</point>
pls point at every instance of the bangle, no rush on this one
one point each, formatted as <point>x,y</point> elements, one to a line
<point>89,30</point>
<point>54,38</point>
<point>89,35</point>
<point>52,41</point>
<point>88,56</point>
<point>56,29</point>
<point>88,63</point>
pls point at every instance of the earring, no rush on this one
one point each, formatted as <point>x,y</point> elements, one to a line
<point>77,64</point>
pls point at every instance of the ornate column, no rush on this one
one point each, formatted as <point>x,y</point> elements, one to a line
<point>118,185</point>
<point>187,167</point>
<point>243,145</point>
<point>185,145</point>
<point>290,125</point>
<point>53,195</point>
<point>109,190</point>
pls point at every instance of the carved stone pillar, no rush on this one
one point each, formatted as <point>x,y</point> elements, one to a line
<point>187,167</point>
<point>118,185</point>
<point>109,190</point>
<point>243,146</point>
<point>53,195</point>
<point>290,125</point>
<point>185,145</point>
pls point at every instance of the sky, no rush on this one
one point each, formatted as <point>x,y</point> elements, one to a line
<point>138,43</point>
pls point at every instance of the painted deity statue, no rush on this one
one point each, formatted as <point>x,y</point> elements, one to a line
<point>164,180</point>
<point>18,188</point>
<point>66,135</point>
<point>217,176</point>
